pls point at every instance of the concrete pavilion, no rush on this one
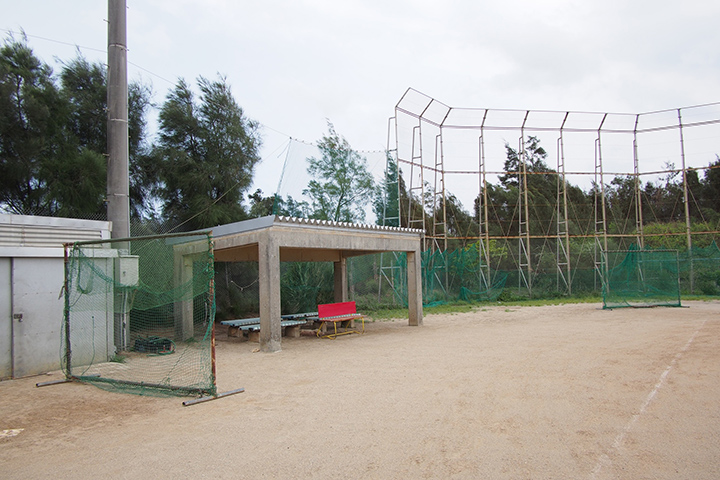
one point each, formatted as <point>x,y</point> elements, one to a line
<point>274,239</point>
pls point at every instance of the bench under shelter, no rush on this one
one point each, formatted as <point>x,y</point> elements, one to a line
<point>273,239</point>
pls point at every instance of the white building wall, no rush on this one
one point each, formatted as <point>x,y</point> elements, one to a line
<point>31,280</point>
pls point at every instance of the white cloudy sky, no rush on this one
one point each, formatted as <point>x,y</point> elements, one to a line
<point>294,64</point>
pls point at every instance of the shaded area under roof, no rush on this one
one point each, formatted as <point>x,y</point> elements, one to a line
<point>273,239</point>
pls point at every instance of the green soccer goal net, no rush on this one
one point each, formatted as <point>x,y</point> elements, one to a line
<point>640,278</point>
<point>139,314</point>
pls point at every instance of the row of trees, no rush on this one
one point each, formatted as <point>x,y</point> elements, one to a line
<point>340,189</point>
<point>194,174</point>
<point>53,142</point>
<point>51,139</point>
<point>662,201</point>
<point>663,220</point>
<point>197,171</point>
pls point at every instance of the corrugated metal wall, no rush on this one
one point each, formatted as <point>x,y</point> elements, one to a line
<point>30,231</point>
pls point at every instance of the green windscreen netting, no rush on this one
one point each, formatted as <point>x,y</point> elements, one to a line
<point>640,278</point>
<point>446,276</point>
<point>700,270</point>
<point>139,314</point>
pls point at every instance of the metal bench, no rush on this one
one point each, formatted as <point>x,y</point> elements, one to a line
<point>290,324</point>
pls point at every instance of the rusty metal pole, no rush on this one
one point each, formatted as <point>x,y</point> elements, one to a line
<point>686,200</point>
<point>638,192</point>
<point>563,230</point>
<point>524,208</point>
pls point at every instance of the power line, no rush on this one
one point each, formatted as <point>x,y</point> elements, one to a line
<point>170,82</point>
<point>151,73</point>
<point>25,34</point>
<point>82,47</point>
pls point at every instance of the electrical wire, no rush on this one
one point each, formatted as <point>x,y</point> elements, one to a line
<point>25,35</point>
<point>170,82</point>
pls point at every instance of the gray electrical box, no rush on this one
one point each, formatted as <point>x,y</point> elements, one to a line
<point>127,270</point>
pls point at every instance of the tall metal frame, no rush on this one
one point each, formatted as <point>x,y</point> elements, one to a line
<point>524,259</point>
<point>600,213</point>
<point>563,281</point>
<point>417,190</point>
<point>423,112</point>
<point>439,243</point>
<point>639,225</point>
<point>388,272</point>
<point>482,211</point>
<point>439,240</point>
<point>686,199</point>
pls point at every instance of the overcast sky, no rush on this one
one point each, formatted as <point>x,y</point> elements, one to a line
<point>294,64</point>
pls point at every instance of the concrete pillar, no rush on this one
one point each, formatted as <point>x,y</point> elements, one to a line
<point>118,182</point>
<point>341,282</point>
<point>184,327</point>
<point>414,270</point>
<point>269,287</point>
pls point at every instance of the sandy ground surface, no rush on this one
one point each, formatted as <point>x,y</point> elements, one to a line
<point>502,392</point>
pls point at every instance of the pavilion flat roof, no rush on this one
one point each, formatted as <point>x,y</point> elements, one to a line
<point>301,239</point>
<point>278,220</point>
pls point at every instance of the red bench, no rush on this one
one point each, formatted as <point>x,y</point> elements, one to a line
<point>337,313</point>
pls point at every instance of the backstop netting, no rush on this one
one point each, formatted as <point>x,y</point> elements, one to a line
<point>447,276</point>
<point>700,270</point>
<point>640,278</point>
<point>139,314</point>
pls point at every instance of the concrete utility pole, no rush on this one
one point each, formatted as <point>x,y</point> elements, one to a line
<point>118,176</point>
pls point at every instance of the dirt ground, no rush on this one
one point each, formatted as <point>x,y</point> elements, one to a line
<point>551,392</point>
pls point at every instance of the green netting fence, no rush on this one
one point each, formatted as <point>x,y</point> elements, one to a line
<point>700,270</point>
<point>381,279</point>
<point>139,314</point>
<point>640,278</point>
